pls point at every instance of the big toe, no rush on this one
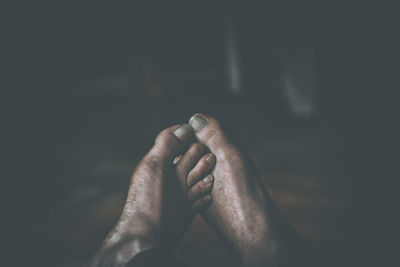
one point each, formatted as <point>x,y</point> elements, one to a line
<point>172,141</point>
<point>209,132</point>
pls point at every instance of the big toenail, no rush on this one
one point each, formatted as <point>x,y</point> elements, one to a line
<point>197,123</point>
<point>182,131</point>
<point>208,179</point>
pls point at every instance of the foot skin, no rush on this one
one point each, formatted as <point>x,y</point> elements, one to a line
<point>160,206</point>
<point>194,173</point>
<point>241,212</point>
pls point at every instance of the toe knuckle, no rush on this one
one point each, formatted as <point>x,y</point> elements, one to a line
<point>190,159</point>
<point>190,179</point>
<point>204,188</point>
<point>208,187</point>
<point>197,190</point>
<point>204,164</point>
<point>180,171</point>
<point>198,147</point>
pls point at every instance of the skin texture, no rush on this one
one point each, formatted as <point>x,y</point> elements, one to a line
<point>160,205</point>
<point>241,212</point>
<point>178,177</point>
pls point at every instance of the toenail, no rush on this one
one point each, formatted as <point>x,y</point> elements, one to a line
<point>208,179</point>
<point>210,158</point>
<point>183,131</point>
<point>197,123</point>
<point>177,159</point>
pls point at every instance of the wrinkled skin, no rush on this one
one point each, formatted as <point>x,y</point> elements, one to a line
<point>167,189</point>
<point>241,212</point>
<point>157,211</point>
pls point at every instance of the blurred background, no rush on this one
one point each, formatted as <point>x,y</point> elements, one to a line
<point>297,84</point>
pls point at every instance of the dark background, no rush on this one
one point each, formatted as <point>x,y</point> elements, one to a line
<point>90,85</point>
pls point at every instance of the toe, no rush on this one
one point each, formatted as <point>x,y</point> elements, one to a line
<point>172,141</point>
<point>184,133</point>
<point>200,189</point>
<point>202,168</point>
<point>189,160</point>
<point>209,132</point>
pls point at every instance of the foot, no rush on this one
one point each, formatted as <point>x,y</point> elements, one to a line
<point>159,205</point>
<point>241,211</point>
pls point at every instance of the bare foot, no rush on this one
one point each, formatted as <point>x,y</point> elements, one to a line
<point>159,206</point>
<point>241,211</point>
